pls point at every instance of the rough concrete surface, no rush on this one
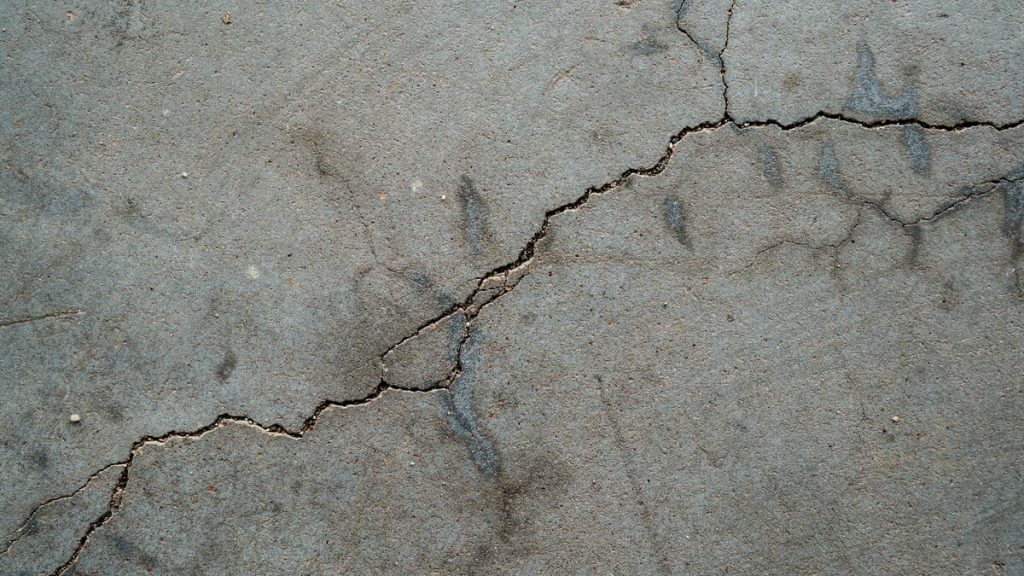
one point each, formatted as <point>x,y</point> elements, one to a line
<point>618,287</point>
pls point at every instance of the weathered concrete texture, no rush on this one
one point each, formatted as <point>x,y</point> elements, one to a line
<point>671,287</point>
<point>733,367</point>
<point>240,214</point>
<point>931,60</point>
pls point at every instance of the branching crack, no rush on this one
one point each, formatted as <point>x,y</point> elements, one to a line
<point>28,519</point>
<point>507,276</point>
<point>831,247</point>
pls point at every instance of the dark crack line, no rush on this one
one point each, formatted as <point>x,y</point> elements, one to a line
<point>979,190</point>
<point>28,519</point>
<point>707,50</point>
<point>833,247</point>
<point>470,309</point>
<point>721,59</point>
<point>220,422</point>
<point>976,191</point>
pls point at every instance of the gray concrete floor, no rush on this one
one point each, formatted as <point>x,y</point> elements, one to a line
<point>476,287</point>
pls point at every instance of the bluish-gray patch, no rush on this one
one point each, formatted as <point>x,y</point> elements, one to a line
<point>457,410</point>
<point>1013,201</point>
<point>474,213</point>
<point>425,284</point>
<point>770,167</point>
<point>456,330</point>
<point>828,169</point>
<point>917,147</point>
<point>648,44</point>
<point>675,219</point>
<point>867,97</point>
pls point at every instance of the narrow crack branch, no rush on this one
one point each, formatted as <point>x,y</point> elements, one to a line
<point>969,193</point>
<point>721,59</point>
<point>17,532</point>
<point>832,246</point>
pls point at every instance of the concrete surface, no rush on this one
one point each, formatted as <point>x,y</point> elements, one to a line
<point>636,286</point>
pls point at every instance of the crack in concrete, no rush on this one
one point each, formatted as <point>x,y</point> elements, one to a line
<point>509,275</point>
<point>681,7</point>
<point>28,519</point>
<point>831,247</point>
<point>968,194</point>
<point>721,59</point>
<point>219,422</point>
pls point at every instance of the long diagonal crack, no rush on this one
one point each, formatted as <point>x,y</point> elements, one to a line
<point>505,277</point>
<point>509,274</point>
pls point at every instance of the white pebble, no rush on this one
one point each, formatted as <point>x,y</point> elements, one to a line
<point>75,418</point>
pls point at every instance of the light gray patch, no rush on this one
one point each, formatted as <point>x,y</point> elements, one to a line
<point>867,97</point>
<point>917,147</point>
<point>771,168</point>
<point>457,411</point>
<point>828,169</point>
<point>474,213</point>
<point>675,220</point>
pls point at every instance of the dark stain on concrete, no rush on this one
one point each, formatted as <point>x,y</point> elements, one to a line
<point>771,167</point>
<point>915,233</point>
<point>544,478</point>
<point>828,169</point>
<point>867,97</point>
<point>459,413</point>
<point>950,297</point>
<point>474,213</point>
<point>648,44</point>
<point>40,460</point>
<point>128,550</point>
<point>1013,204</point>
<point>227,365</point>
<point>917,147</point>
<point>425,285</point>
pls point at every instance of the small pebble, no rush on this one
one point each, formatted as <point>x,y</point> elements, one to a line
<point>75,418</point>
<point>895,418</point>
<point>226,18</point>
